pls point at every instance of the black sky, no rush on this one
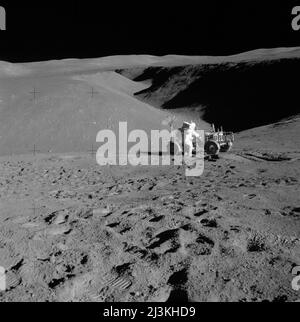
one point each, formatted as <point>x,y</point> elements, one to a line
<point>53,30</point>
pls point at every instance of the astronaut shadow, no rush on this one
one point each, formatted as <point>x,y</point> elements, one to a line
<point>171,150</point>
<point>159,153</point>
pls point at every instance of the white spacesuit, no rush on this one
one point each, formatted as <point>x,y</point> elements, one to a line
<point>2,279</point>
<point>189,134</point>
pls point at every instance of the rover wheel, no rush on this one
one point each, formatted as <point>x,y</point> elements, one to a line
<point>212,148</point>
<point>226,147</point>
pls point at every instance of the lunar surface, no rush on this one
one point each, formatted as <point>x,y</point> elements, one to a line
<point>72,230</point>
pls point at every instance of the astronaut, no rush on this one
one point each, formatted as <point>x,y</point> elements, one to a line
<point>2,279</point>
<point>189,134</point>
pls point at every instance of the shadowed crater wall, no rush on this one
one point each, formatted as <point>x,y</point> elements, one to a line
<point>237,96</point>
